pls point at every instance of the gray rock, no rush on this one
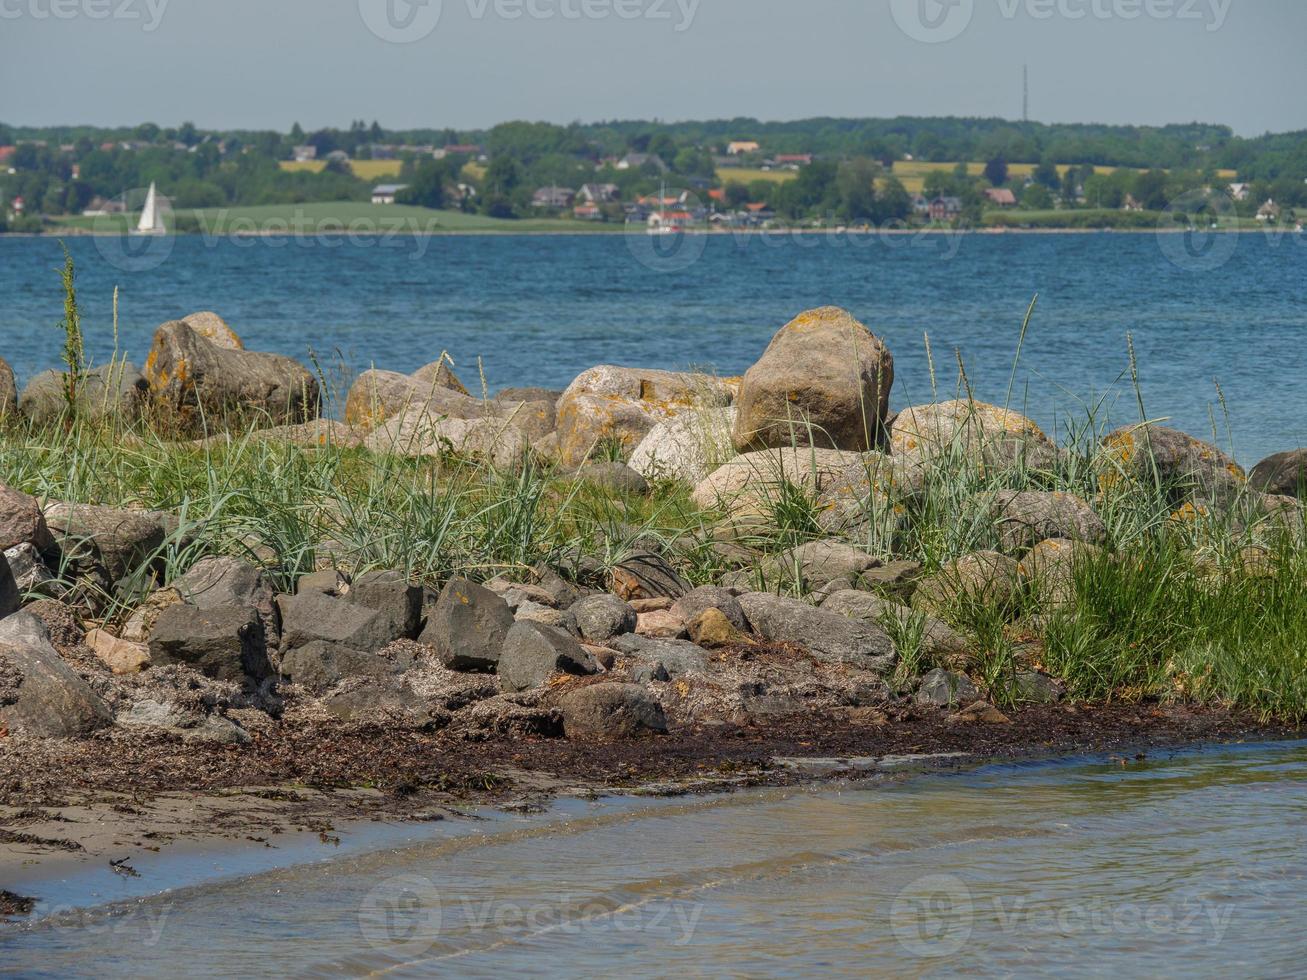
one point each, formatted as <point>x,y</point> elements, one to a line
<point>328,581</point>
<point>10,599</point>
<point>825,635</point>
<point>945,689</point>
<point>201,385</point>
<point>599,618</point>
<point>121,541</point>
<point>817,562</point>
<point>313,616</point>
<point>535,612</point>
<point>1035,688</point>
<point>660,659</point>
<point>824,380</point>
<point>30,573</point>
<point>562,593</point>
<point>550,395</point>
<point>617,477</point>
<point>533,653</point>
<point>389,593</point>
<point>1284,474</point>
<point>939,642</point>
<point>611,711</point>
<point>189,725</point>
<point>225,643</point>
<point>113,390</point>
<point>320,666</point>
<point>689,606</point>
<point>468,626</point>
<point>39,693</point>
<point>895,578</point>
<point>968,433</point>
<point>22,522</point>
<point>215,582</point>
<point>1025,518</point>
<point>983,577</point>
<point>1187,468</point>
<point>388,699</point>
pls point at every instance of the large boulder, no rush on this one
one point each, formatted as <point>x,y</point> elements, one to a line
<point>982,435</point>
<point>868,493</point>
<point>120,541</point>
<point>687,447</point>
<point>828,637</point>
<point>8,392</point>
<point>116,390</point>
<point>621,405</point>
<point>1184,467</point>
<point>599,618</point>
<point>390,593</point>
<point>611,711</point>
<point>379,395</point>
<point>468,626</point>
<point>39,693</point>
<point>534,652</point>
<point>310,616</point>
<point>946,689</point>
<point>824,380</point>
<point>1284,474</point>
<point>319,666</point>
<point>22,521</point>
<point>225,643</point>
<point>10,598</point>
<point>214,329</point>
<point>646,575</point>
<point>938,642</point>
<point>197,384</point>
<point>693,604</point>
<point>213,582</point>
<point>750,485</point>
<point>1026,517</point>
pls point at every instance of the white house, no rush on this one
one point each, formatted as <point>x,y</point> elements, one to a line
<point>385,193</point>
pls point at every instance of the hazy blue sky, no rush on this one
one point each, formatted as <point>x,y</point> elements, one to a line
<point>268,63</point>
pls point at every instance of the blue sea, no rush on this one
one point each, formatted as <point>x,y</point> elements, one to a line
<point>1218,323</point>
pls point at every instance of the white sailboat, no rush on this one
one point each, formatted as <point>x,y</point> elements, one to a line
<point>151,222</point>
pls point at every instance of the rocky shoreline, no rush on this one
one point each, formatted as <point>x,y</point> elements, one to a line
<point>655,578</point>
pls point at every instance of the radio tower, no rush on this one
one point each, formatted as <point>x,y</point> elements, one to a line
<point>1025,93</point>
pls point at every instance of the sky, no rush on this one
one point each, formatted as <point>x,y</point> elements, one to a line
<point>265,64</point>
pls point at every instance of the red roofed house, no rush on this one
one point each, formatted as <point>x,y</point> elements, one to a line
<point>5,153</point>
<point>794,159</point>
<point>1001,196</point>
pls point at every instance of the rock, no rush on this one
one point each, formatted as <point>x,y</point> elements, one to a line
<point>983,435</point>
<point>819,562</point>
<point>214,329</point>
<point>8,392</point>
<point>115,390</point>
<point>748,487</point>
<point>615,477</point>
<point>824,380</point>
<point>215,582</point>
<point>190,726</point>
<point>1050,567</point>
<point>622,405</point>
<point>200,385</point>
<point>1024,518</point>
<point>662,624</point>
<point>599,618</point>
<point>533,653</point>
<point>1035,688</point>
<point>418,432</point>
<point>562,593</point>
<point>377,396</point>
<point>140,624</point>
<point>388,701</point>
<point>985,578</point>
<point>711,630</point>
<point>611,711</point>
<point>10,599</point>
<point>31,576</point>
<point>123,542</point>
<point>529,394</point>
<point>311,616</point>
<point>390,593</point>
<point>1187,468</point>
<point>945,689</point>
<point>828,637</point>
<point>516,593</point>
<point>313,434</point>
<point>534,612</point>
<point>1284,474</point>
<point>22,522</point>
<point>119,655</point>
<point>939,642</point>
<point>686,447</point>
<point>319,666</point>
<point>468,627</point>
<point>895,578</point>
<point>63,624</point>
<point>39,693</point>
<point>439,374</point>
<point>225,643</point>
<point>869,495</point>
<point>979,713</point>
<point>661,659</point>
<point>647,576</point>
<point>657,604</point>
<point>328,581</point>
<point>689,606</point>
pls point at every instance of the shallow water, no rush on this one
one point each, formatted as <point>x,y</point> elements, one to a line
<point>1185,865</point>
<point>541,309</point>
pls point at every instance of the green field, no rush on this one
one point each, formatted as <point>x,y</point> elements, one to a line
<point>330,217</point>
